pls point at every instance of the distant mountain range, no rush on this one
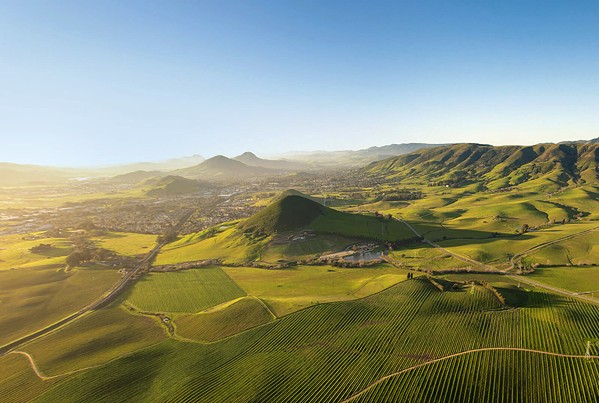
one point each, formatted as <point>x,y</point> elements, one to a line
<point>359,157</point>
<point>252,160</point>
<point>545,167</point>
<point>221,167</point>
<point>19,175</point>
<point>164,166</point>
<point>421,158</point>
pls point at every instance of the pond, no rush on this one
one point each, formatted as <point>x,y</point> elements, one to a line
<point>366,257</point>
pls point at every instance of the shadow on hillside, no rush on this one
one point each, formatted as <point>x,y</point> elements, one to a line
<point>524,297</point>
<point>453,234</point>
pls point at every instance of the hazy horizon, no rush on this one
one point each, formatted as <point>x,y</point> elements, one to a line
<point>104,83</point>
<point>280,155</point>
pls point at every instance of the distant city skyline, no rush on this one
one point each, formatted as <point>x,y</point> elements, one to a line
<point>112,82</point>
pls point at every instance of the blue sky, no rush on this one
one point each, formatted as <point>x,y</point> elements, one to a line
<point>102,82</point>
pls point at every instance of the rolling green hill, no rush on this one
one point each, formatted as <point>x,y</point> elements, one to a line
<point>292,212</point>
<point>545,167</point>
<point>254,238</point>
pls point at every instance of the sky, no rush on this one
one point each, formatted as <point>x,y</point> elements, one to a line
<point>86,83</point>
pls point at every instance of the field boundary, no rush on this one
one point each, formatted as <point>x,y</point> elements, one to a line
<point>41,375</point>
<point>542,245</point>
<point>526,350</point>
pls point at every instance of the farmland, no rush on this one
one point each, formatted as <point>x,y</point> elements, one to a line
<point>216,324</point>
<point>289,290</point>
<point>36,297</point>
<point>575,279</point>
<point>341,348</point>
<point>429,292</point>
<point>95,339</point>
<point>126,244</point>
<point>15,251</point>
<point>185,291</point>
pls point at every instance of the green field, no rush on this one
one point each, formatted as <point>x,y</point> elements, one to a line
<point>492,376</point>
<point>31,299</point>
<point>582,250</point>
<point>337,350</point>
<point>498,251</point>
<point>15,253</point>
<point>126,244</point>
<point>186,291</point>
<point>575,279</point>
<point>305,249</point>
<point>18,383</point>
<point>288,290</point>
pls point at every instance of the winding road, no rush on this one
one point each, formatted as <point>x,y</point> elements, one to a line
<point>515,277</point>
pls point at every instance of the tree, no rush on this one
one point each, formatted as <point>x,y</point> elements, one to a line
<point>525,228</point>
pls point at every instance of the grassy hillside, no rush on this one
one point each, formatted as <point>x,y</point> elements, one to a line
<point>290,290</point>
<point>287,213</point>
<point>15,251</point>
<point>544,167</point>
<point>250,239</point>
<point>95,339</point>
<point>224,242</point>
<point>126,243</point>
<point>293,212</point>
<point>33,298</point>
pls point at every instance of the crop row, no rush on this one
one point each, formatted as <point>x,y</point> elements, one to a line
<point>332,351</point>
<point>184,291</point>
<point>492,376</point>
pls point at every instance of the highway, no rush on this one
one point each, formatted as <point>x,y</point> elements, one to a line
<point>129,278</point>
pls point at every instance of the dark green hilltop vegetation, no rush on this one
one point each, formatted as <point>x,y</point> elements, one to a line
<point>294,211</point>
<point>289,213</point>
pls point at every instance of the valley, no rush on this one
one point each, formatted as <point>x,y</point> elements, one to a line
<point>442,274</point>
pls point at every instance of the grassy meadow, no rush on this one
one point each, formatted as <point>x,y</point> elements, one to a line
<point>95,339</point>
<point>126,244</point>
<point>31,299</point>
<point>15,251</point>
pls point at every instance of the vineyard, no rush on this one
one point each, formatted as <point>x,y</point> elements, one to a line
<point>491,376</point>
<point>241,315</point>
<point>331,352</point>
<point>184,291</point>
